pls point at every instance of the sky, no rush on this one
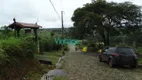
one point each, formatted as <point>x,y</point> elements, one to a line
<point>42,12</point>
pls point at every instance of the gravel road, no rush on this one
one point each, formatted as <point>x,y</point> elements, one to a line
<point>88,67</point>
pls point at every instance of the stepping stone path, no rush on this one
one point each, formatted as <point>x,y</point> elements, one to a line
<point>87,67</point>
<point>56,72</point>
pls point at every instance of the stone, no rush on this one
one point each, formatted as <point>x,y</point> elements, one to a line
<point>58,65</point>
<point>53,73</point>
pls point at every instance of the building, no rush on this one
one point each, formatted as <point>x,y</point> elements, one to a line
<point>28,27</point>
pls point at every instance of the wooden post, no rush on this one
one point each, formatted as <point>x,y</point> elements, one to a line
<point>18,32</point>
<point>14,20</point>
<point>35,33</point>
<point>62,21</point>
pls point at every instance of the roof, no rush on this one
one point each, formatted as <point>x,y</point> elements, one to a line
<point>24,25</point>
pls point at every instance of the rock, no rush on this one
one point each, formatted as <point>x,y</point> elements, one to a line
<point>52,73</point>
<point>58,65</point>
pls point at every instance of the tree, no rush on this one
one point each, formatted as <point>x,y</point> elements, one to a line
<point>5,32</point>
<point>106,19</point>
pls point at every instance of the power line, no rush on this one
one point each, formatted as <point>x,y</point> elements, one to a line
<point>54,9</point>
<point>61,5</point>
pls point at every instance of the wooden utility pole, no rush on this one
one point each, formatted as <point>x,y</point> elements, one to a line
<point>62,23</point>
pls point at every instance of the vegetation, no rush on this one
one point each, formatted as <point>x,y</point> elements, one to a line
<point>17,55</point>
<point>101,21</point>
<point>16,58</point>
<point>114,24</point>
<point>5,32</point>
<point>47,42</point>
<point>52,56</point>
<point>104,19</point>
<point>60,78</point>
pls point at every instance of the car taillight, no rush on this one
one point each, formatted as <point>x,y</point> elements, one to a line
<point>115,54</point>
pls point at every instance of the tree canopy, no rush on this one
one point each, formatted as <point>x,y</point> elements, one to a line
<point>106,19</point>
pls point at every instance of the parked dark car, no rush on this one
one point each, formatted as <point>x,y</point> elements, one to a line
<point>119,56</point>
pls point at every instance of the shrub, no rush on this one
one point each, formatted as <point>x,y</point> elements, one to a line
<point>48,44</point>
<point>29,46</point>
<point>66,48</point>
<point>139,50</point>
<point>16,57</point>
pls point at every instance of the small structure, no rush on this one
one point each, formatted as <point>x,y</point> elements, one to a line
<point>17,26</point>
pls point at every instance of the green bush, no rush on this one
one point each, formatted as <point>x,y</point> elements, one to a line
<point>5,32</point>
<point>16,56</point>
<point>48,44</point>
<point>140,60</point>
<point>122,44</point>
<point>139,50</point>
<point>29,46</point>
<point>66,48</point>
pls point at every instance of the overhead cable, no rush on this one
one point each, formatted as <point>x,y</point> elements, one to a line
<point>54,9</point>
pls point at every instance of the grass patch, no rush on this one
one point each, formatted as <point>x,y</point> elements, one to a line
<point>140,60</point>
<point>53,53</point>
<point>60,78</point>
<point>50,56</point>
<point>53,56</point>
<point>54,59</point>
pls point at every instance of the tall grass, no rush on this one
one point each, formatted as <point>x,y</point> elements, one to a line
<point>16,58</point>
<point>47,42</point>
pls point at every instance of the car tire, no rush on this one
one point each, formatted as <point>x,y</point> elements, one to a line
<point>111,63</point>
<point>133,66</point>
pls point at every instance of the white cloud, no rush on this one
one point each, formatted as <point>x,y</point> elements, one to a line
<point>31,10</point>
<point>21,9</point>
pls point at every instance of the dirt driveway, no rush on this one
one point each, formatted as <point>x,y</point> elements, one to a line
<point>88,67</point>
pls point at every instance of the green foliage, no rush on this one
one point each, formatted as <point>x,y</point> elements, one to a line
<point>61,78</point>
<point>29,45</point>
<point>122,44</point>
<point>130,39</point>
<point>106,19</point>
<point>140,60</point>
<point>82,44</point>
<point>47,42</point>
<point>10,41</point>
<point>139,50</point>
<point>92,49</point>
<point>5,32</point>
<point>52,56</point>
<point>16,56</point>
<point>66,48</point>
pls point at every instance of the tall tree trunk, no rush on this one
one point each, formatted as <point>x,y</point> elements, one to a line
<point>107,39</point>
<point>104,38</point>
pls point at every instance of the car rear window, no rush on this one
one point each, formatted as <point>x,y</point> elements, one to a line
<point>125,51</point>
